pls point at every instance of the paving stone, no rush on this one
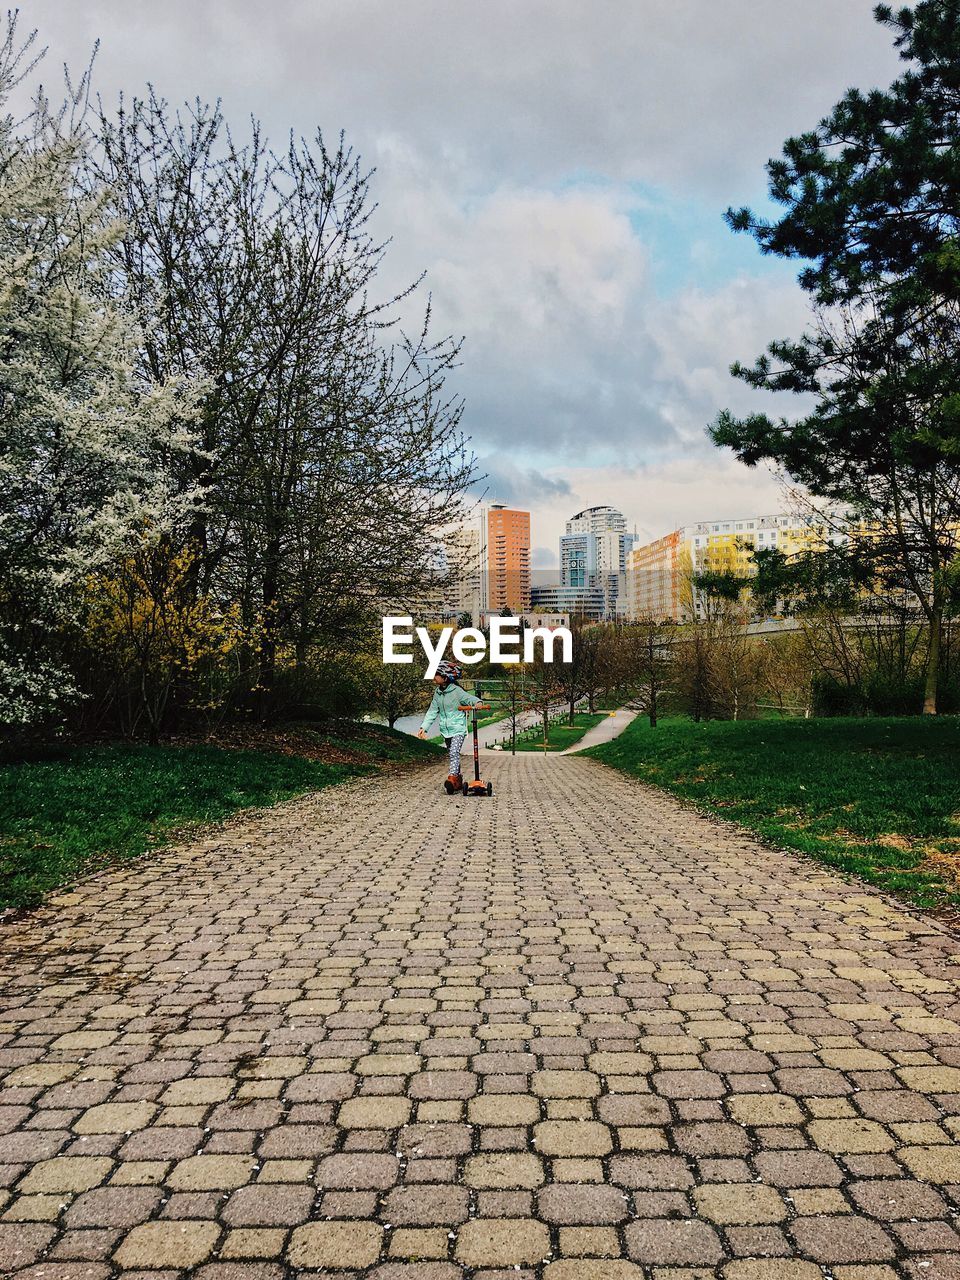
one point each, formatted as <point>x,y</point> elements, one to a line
<point>515,1169</point>
<point>932,1164</point>
<point>565,1084</point>
<point>253,1242</point>
<point>651,1172</point>
<point>65,1173</point>
<point>269,1205</point>
<point>418,1271</point>
<point>167,1244</point>
<point>427,1206</point>
<point>211,1173</point>
<point>592,1269</point>
<point>799,1169</point>
<point>504,1109</point>
<point>576,1205</point>
<point>889,1200</point>
<point>358,1170</point>
<point>772,1269</point>
<point>115,1117</point>
<point>589,1242</point>
<point>850,1136</point>
<point>765,1109</point>
<point>843,1239</point>
<point>680,1243</point>
<point>572,1138</point>
<point>739,1203</point>
<point>23,1243</point>
<point>113,1207</point>
<point>502,1242</point>
<point>419,1242</point>
<point>335,1245</point>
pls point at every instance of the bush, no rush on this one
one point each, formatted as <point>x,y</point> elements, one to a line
<point>832,697</point>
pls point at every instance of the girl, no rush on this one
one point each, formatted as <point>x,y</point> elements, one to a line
<point>448,697</point>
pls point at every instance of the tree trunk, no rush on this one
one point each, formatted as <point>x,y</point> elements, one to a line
<point>933,654</point>
<point>269,640</point>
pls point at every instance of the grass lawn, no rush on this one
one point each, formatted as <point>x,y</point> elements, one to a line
<point>76,809</point>
<point>877,797</point>
<point>561,734</point>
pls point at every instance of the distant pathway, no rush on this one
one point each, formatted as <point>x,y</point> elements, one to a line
<point>609,728</point>
<point>571,1032</point>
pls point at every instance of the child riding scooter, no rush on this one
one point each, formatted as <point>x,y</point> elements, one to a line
<point>445,707</point>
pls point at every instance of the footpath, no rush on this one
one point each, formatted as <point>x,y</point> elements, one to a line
<point>570,1032</point>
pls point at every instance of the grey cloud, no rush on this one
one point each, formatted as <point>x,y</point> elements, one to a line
<point>511,143</point>
<point>522,487</point>
<point>665,91</point>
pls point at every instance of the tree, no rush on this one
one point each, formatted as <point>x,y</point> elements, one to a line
<point>582,676</point>
<point>653,663</point>
<point>85,435</point>
<point>333,456</point>
<point>872,198</point>
<point>786,668</point>
<point>395,689</point>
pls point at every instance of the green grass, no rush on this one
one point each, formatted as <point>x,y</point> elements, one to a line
<point>81,808</point>
<point>493,716</point>
<point>877,797</point>
<point>560,735</point>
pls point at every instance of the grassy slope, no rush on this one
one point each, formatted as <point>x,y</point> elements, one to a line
<point>82,807</point>
<point>878,797</point>
<point>561,735</point>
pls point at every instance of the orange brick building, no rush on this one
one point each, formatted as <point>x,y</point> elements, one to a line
<point>508,559</point>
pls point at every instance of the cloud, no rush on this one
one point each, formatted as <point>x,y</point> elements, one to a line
<point>559,168</point>
<point>663,496</point>
<point>503,481</point>
<point>685,93</point>
<point>571,351</point>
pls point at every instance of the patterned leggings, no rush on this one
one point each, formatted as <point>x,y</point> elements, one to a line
<point>455,746</point>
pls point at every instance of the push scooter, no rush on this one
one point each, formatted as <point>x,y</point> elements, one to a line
<point>477,787</point>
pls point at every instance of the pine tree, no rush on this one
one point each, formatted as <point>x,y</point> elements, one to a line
<point>872,201</point>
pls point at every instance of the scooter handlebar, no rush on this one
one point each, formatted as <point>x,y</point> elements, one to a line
<point>474,706</point>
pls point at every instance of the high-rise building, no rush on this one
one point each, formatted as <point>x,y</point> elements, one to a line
<point>463,555</point>
<point>593,554</point>
<point>660,574</point>
<point>578,559</point>
<point>508,559</point>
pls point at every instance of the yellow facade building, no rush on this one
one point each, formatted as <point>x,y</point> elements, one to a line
<point>660,573</point>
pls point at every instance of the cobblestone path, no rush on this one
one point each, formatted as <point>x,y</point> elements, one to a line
<point>572,1032</point>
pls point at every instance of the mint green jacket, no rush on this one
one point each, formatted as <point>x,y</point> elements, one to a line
<point>445,707</point>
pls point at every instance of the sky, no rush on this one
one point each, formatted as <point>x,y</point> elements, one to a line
<point>559,169</point>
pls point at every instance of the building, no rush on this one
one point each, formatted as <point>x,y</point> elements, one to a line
<point>576,602</point>
<point>593,555</point>
<point>659,576</point>
<point>463,557</point>
<point>507,559</point>
<point>655,576</point>
<point>531,621</point>
<point>578,559</point>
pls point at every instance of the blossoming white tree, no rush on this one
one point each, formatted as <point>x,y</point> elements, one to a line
<point>86,438</point>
